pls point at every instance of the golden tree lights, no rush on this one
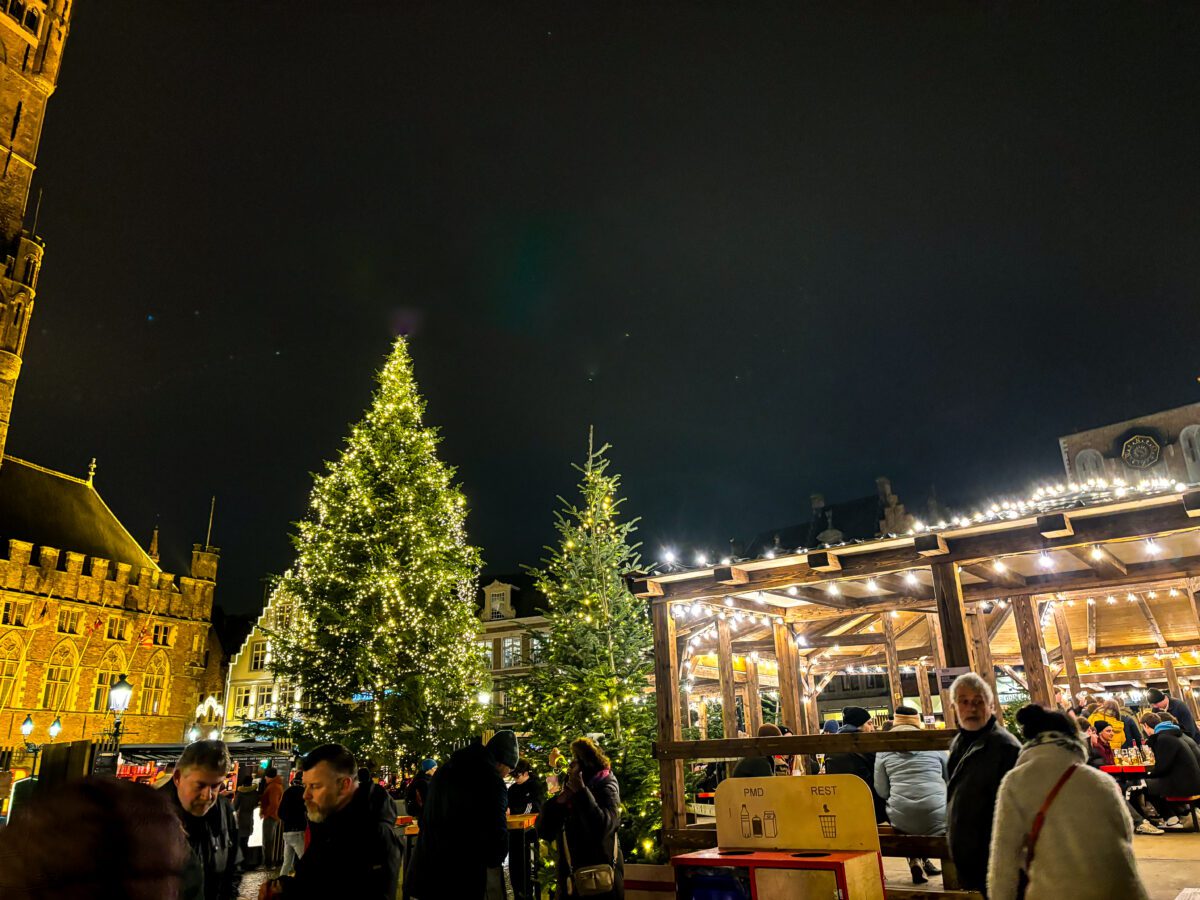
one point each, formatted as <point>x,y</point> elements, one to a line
<point>383,643</point>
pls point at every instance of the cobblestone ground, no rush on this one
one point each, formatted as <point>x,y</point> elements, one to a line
<point>251,882</point>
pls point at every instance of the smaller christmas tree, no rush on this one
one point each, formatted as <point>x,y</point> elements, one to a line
<point>596,657</point>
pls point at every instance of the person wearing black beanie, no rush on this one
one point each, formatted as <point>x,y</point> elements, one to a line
<point>1091,853</point>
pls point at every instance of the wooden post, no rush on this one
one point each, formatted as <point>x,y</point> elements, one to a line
<point>983,649</point>
<point>666,674</point>
<point>1033,651</point>
<point>923,688</point>
<point>1175,689</point>
<point>939,662</point>
<point>789,686</point>
<point>1068,652</point>
<point>947,592</point>
<point>811,718</point>
<point>725,674</point>
<point>702,711</point>
<point>753,698</point>
<point>893,662</point>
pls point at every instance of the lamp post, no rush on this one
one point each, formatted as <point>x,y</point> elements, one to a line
<point>118,702</point>
<point>27,731</point>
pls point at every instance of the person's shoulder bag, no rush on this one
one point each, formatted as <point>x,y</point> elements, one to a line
<point>1035,830</point>
<point>590,881</point>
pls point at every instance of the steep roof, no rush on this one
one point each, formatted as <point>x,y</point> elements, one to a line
<point>857,520</point>
<point>50,509</point>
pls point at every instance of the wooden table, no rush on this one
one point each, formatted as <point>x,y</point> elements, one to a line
<point>522,855</point>
<point>1124,770</point>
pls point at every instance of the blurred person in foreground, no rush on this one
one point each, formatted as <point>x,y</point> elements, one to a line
<point>981,754</point>
<point>208,818</point>
<point>354,851</point>
<point>464,826</point>
<point>95,839</point>
<point>1041,844</point>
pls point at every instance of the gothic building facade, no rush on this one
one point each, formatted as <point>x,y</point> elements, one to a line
<point>81,602</point>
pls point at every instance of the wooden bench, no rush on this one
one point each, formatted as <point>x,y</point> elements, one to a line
<point>1191,805</point>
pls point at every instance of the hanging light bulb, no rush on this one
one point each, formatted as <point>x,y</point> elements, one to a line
<point>1097,552</point>
<point>1174,592</point>
<point>910,578</point>
<point>1110,599</point>
<point>792,592</point>
<point>832,589</point>
<point>999,566</point>
<point>1045,561</point>
<point>871,585</point>
<point>1152,547</point>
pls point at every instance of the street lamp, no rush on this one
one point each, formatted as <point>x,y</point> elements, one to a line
<point>118,702</point>
<point>55,727</point>
<point>27,730</point>
<point>193,734</point>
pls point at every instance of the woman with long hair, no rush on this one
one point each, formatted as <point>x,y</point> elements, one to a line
<point>583,820</point>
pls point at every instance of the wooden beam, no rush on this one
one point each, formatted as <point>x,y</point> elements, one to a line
<point>1190,587</point>
<point>1099,559</point>
<point>930,545</point>
<point>702,711</point>
<point>730,575</point>
<point>789,687</point>
<point>860,742</point>
<point>1019,679</point>
<point>982,648</point>
<point>1151,621</point>
<point>923,688</point>
<point>1068,652</point>
<point>725,675</point>
<point>947,593</point>
<point>1033,651</point>
<point>810,714</point>
<point>666,679</point>
<point>824,561</point>
<point>999,617</point>
<point>939,662</point>
<point>893,663</point>
<point>900,585</point>
<point>1092,615</point>
<point>1055,525</point>
<point>1165,516</point>
<point>846,640</point>
<point>753,697</point>
<point>1005,577</point>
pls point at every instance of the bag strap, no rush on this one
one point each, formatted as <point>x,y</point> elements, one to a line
<point>1039,820</point>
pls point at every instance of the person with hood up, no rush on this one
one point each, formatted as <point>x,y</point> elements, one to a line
<point>418,789</point>
<point>1176,769</point>
<point>912,785</point>
<point>354,851</point>
<point>1038,836</point>
<point>464,826</point>
<point>855,719</point>
<point>584,818</point>
<point>980,756</point>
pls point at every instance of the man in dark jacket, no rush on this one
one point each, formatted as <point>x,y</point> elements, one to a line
<point>418,790</point>
<point>1176,707</point>
<point>856,720</point>
<point>354,851</point>
<point>464,828</point>
<point>208,820</point>
<point>981,755</point>
<point>1176,769</point>
<point>294,820</point>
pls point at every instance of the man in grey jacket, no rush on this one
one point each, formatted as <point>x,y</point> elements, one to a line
<point>981,755</point>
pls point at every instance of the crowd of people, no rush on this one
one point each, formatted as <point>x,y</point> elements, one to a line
<point>987,792</point>
<point>331,832</point>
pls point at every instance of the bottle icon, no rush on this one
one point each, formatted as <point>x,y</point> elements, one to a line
<point>770,826</point>
<point>756,826</point>
<point>745,819</point>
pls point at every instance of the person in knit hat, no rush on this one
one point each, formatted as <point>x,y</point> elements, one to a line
<point>912,784</point>
<point>464,825</point>
<point>855,719</point>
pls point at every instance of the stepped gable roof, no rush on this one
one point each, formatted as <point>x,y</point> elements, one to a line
<point>50,509</point>
<point>857,520</point>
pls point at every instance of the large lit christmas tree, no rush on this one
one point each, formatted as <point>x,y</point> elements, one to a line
<point>596,658</point>
<point>383,644</point>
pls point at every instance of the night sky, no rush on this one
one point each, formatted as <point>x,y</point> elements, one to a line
<point>765,253</point>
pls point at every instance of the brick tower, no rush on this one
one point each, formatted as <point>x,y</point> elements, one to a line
<point>32,36</point>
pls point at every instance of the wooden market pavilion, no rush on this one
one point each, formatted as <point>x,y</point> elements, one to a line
<point>1079,586</point>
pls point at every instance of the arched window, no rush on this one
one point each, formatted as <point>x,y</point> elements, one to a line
<point>30,273</point>
<point>58,676</point>
<point>109,670</point>
<point>10,664</point>
<point>1189,442</point>
<point>1089,464</point>
<point>154,686</point>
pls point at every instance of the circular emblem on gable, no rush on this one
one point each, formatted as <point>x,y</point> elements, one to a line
<point>1141,451</point>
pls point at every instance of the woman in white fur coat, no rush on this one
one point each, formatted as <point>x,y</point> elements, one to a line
<point>1086,840</point>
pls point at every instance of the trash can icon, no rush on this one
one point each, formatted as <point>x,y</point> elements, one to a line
<point>828,823</point>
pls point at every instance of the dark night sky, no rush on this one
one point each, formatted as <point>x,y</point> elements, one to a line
<point>766,253</point>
